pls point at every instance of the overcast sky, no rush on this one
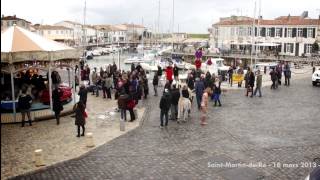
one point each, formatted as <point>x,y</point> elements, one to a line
<point>194,16</point>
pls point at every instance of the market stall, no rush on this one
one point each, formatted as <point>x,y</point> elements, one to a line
<point>23,50</point>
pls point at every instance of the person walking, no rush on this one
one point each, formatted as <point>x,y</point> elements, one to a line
<point>230,73</point>
<point>24,104</point>
<point>164,107</point>
<point>216,94</point>
<point>155,83</point>
<point>258,84</point>
<point>83,93</point>
<point>287,74</point>
<point>57,105</point>
<point>80,116</point>
<point>199,88</point>
<point>109,85</point>
<point>103,83</point>
<point>204,105</point>
<point>175,95</point>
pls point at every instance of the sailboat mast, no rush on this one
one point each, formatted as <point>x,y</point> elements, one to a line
<point>172,23</point>
<point>253,34</point>
<point>158,28</point>
<point>257,48</point>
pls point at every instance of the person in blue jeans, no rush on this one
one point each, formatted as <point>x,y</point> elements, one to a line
<point>199,88</point>
<point>216,95</point>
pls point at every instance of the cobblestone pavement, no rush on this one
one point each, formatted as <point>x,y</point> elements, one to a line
<point>59,143</point>
<point>282,127</point>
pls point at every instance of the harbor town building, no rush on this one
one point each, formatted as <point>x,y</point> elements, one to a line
<point>289,35</point>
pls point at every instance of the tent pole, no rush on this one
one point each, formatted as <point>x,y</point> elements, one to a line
<point>50,86</point>
<point>74,84</point>
<point>13,94</point>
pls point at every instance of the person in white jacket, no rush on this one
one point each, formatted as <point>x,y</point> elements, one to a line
<point>184,105</point>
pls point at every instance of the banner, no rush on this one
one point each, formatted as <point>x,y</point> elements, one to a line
<point>237,77</point>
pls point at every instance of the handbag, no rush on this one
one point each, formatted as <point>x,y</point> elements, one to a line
<point>85,114</point>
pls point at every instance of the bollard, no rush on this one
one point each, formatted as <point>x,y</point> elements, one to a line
<point>135,111</point>
<point>90,142</point>
<point>38,157</point>
<point>122,125</point>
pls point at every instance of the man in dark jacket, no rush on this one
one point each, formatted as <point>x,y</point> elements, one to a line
<point>164,107</point>
<point>273,76</point>
<point>24,103</point>
<point>155,83</point>
<point>230,73</point>
<point>175,95</point>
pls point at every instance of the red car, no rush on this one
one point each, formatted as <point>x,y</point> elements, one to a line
<point>66,95</point>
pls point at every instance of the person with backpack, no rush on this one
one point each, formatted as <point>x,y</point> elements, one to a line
<point>24,104</point>
<point>164,107</point>
<point>80,116</point>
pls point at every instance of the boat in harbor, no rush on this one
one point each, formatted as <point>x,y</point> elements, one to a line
<point>214,65</point>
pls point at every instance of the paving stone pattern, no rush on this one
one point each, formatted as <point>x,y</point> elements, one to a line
<point>282,126</point>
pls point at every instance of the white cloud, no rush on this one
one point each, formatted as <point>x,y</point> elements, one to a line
<point>190,15</point>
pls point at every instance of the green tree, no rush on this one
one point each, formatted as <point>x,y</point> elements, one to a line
<point>315,47</point>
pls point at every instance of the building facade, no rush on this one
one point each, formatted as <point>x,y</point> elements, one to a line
<point>56,33</point>
<point>78,35</point>
<point>7,21</point>
<point>294,35</point>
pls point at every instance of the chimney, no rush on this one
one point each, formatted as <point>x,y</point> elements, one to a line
<point>260,18</point>
<point>304,14</point>
<point>14,16</point>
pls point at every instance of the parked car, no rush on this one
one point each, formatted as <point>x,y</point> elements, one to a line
<point>66,95</point>
<point>316,77</point>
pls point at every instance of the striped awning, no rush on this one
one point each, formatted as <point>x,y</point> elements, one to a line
<point>18,45</point>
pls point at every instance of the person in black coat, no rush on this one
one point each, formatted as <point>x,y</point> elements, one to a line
<point>155,83</point>
<point>176,72</point>
<point>83,92</point>
<point>80,121</point>
<point>57,105</point>
<point>251,80</point>
<point>164,107</point>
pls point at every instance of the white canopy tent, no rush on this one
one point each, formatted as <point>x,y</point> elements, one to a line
<point>19,45</point>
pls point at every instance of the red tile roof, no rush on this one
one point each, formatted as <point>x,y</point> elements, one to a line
<point>282,20</point>
<point>8,18</point>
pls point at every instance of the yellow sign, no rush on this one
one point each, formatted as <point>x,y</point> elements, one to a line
<point>237,77</point>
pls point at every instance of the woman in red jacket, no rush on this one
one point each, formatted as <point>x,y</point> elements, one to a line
<point>169,73</point>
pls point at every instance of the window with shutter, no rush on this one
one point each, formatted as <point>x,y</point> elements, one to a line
<point>305,32</point>
<point>305,49</point>
<point>294,32</point>
<point>285,47</point>
<point>285,32</point>
<point>292,47</point>
<point>272,32</point>
<point>314,33</point>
